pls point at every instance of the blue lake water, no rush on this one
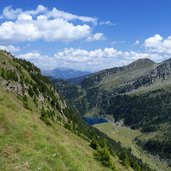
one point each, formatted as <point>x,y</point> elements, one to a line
<point>93,121</point>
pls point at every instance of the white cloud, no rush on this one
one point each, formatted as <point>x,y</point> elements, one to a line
<point>55,13</point>
<point>9,13</point>
<point>39,10</point>
<point>40,60</point>
<point>96,37</point>
<point>12,14</point>
<point>153,42</point>
<point>93,60</point>
<point>19,31</point>
<point>41,23</point>
<point>157,44</point>
<point>32,56</point>
<point>24,17</point>
<point>81,55</point>
<point>10,48</point>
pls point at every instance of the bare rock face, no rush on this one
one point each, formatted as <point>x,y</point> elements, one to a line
<point>163,71</point>
<point>41,98</point>
<point>13,87</point>
<point>5,83</point>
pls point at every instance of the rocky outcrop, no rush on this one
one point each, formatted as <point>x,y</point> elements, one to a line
<point>159,73</point>
<point>14,87</point>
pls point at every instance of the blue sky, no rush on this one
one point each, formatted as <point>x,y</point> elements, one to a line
<point>86,35</point>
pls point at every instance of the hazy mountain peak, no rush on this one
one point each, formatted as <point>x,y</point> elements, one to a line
<point>141,62</point>
<point>65,73</point>
<point>166,61</point>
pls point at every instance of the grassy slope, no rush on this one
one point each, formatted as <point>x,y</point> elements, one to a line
<point>126,136</point>
<point>26,143</point>
<point>118,79</point>
<point>129,72</point>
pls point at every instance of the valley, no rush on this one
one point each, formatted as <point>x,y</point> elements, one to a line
<point>128,137</point>
<point>139,96</point>
<point>85,85</point>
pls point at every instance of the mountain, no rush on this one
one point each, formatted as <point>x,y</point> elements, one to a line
<point>40,131</point>
<point>64,73</point>
<point>138,94</point>
<point>77,80</point>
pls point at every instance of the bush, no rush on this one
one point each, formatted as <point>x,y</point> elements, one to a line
<point>25,102</point>
<point>44,117</point>
<point>93,145</point>
<point>125,159</point>
<point>102,155</point>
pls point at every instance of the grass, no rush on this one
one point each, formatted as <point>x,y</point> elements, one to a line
<point>26,143</point>
<point>115,80</point>
<point>127,138</point>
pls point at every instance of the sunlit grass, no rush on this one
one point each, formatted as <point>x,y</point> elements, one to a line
<point>127,137</point>
<point>26,143</point>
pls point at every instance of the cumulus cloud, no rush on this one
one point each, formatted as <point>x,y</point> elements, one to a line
<point>41,23</point>
<point>10,48</point>
<point>12,14</point>
<point>9,13</point>
<point>81,55</point>
<point>157,44</point>
<point>93,60</point>
<point>40,60</point>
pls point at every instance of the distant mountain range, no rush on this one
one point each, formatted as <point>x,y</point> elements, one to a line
<point>64,73</point>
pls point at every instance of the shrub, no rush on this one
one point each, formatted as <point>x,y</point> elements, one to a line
<point>102,155</point>
<point>44,117</point>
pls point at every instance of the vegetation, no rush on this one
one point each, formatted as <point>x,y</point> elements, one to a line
<point>26,143</point>
<point>38,99</point>
<point>129,139</point>
<point>158,148</point>
<point>145,110</point>
<point>139,94</point>
<point>103,156</point>
<point>101,141</point>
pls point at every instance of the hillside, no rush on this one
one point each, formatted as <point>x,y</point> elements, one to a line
<point>39,131</point>
<point>26,143</point>
<point>138,93</point>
